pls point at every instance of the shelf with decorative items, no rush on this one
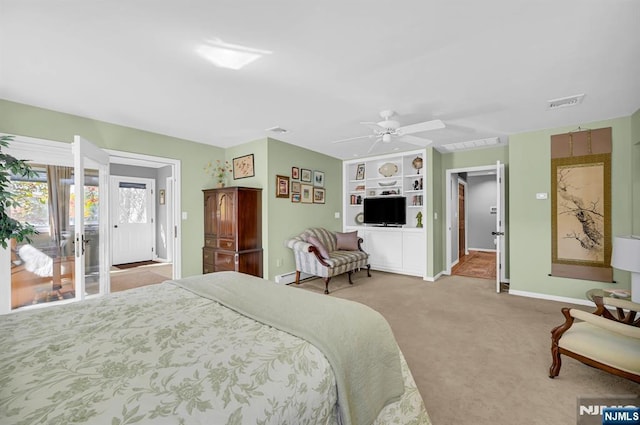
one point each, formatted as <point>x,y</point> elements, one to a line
<point>400,249</point>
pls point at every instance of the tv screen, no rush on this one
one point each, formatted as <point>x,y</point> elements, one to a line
<point>387,210</point>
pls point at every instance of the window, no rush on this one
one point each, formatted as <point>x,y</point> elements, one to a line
<point>32,196</point>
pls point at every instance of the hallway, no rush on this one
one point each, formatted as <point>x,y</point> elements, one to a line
<point>480,264</point>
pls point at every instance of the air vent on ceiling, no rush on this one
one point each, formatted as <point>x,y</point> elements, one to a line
<point>277,129</point>
<point>472,144</point>
<point>565,102</point>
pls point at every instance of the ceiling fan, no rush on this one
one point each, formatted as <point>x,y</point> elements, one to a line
<point>386,130</point>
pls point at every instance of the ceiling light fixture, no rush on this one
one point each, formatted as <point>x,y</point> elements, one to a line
<point>230,56</point>
<point>277,129</point>
<point>564,102</point>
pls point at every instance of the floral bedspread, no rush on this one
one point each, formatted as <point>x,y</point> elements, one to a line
<point>163,355</point>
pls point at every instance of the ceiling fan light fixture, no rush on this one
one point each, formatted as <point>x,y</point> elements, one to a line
<point>386,138</point>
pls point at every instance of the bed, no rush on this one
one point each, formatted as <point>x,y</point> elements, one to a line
<point>221,348</point>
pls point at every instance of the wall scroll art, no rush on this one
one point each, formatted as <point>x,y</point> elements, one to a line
<point>581,205</point>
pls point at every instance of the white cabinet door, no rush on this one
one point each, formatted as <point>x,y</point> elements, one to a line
<point>414,256</point>
<point>384,248</point>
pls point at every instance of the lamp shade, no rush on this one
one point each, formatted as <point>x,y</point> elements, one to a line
<point>626,253</point>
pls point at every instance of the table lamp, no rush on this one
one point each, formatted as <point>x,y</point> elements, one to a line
<point>626,256</point>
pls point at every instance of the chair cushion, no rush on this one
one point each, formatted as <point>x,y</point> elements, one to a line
<point>604,346</point>
<point>347,241</point>
<point>319,246</point>
<point>340,258</point>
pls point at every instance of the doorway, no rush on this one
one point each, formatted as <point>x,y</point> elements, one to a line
<point>152,181</point>
<point>57,285</point>
<point>475,222</point>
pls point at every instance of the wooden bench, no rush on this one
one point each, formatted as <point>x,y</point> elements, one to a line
<point>600,339</point>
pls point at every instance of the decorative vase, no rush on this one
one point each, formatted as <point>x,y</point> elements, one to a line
<point>220,184</point>
<point>417,164</point>
<point>419,219</point>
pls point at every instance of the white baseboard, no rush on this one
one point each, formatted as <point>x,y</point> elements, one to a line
<point>551,297</point>
<point>481,249</point>
<point>290,277</point>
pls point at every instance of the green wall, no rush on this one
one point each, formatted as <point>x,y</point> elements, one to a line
<point>530,219</point>
<point>281,218</point>
<point>287,219</point>
<point>24,120</point>
<point>527,162</point>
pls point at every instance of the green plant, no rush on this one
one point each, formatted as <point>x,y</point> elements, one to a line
<point>9,227</point>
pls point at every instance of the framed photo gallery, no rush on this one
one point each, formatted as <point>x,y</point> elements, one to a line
<point>302,186</point>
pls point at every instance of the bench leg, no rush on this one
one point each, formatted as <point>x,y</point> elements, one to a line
<point>297,277</point>
<point>326,284</point>
<point>368,270</point>
<point>349,274</point>
<point>554,370</point>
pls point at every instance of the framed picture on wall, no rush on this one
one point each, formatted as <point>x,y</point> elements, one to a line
<point>295,173</point>
<point>243,167</point>
<point>318,178</point>
<point>295,197</point>
<point>295,187</point>
<point>282,187</point>
<point>305,175</point>
<point>306,195</point>
<point>318,195</point>
<point>360,172</point>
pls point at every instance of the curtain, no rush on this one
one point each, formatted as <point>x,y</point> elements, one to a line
<point>59,180</point>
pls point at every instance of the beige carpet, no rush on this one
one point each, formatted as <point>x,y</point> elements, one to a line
<point>478,357</point>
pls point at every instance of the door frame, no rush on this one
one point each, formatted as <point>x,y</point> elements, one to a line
<point>466,215</point>
<point>448,195</point>
<point>173,197</point>
<point>60,153</point>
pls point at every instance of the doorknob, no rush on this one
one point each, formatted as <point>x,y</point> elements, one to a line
<point>497,233</point>
<point>115,226</point>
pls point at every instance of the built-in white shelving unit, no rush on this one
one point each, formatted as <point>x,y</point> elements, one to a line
<point>395,249</point>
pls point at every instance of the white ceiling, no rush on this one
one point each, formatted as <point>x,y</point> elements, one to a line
<point>485,68</point>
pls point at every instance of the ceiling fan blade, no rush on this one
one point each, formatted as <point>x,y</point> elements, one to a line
<point>354,138</point>
<point>416,140</point>
<point>374,145</point>
<point>420,127</point>
<point>372,125</point>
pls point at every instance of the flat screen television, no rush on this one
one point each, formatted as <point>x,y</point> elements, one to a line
<point>385,210</point>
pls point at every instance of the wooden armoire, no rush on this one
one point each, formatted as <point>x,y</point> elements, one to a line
<point>233,230</point>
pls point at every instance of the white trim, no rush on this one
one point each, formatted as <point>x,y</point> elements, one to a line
<point>433,279</point>
<point>482,249</point>
<point>551,297</point>
<point>40,150</point>
<point>290,277</point>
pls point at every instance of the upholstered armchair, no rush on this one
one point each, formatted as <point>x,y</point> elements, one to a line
<point>324,253</point>
<point>600,339</point>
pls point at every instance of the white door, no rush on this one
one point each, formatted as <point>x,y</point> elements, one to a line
<point>499,233</point>
<point>91,218</point>
<point>133,220</point>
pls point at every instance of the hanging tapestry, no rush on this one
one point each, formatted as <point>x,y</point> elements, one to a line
<point>581,205</point>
